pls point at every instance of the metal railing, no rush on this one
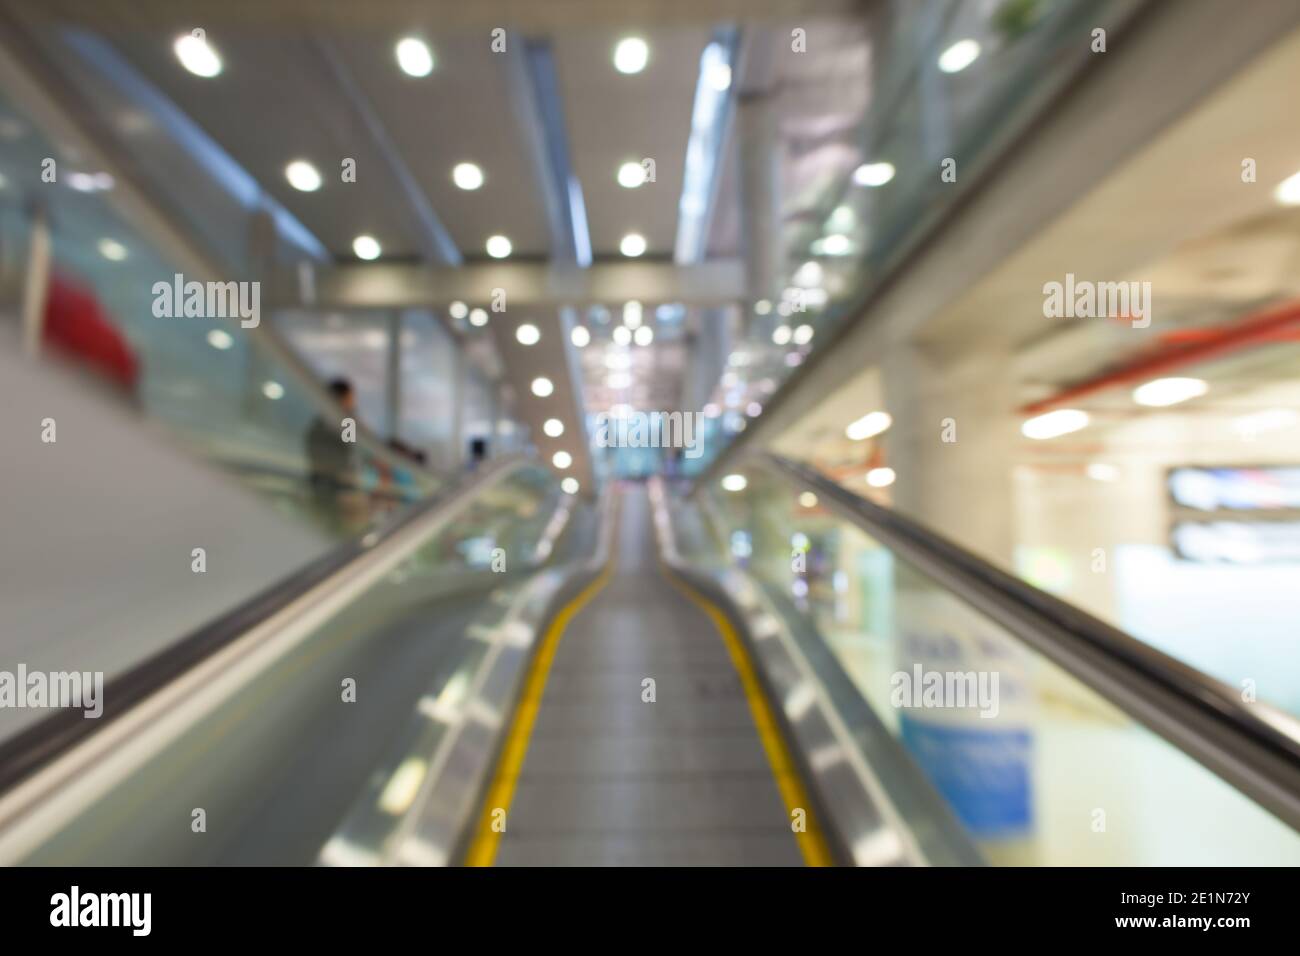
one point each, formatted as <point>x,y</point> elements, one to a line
<point>1253,746</point>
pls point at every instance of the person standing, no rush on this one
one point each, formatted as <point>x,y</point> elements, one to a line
<point>331,459</point>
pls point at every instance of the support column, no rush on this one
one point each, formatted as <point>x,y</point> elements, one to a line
<point>760,193</point>
<point>961,488</point>
<point>36,284</point>
<point>393,378</point>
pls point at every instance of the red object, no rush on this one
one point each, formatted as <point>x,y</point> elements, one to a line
<point>77,326</point>
<point>1259,328</point>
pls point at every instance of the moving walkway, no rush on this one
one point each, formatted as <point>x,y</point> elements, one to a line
<point>508,675</point>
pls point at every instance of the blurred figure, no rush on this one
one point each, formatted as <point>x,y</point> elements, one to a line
<point>332,465</point>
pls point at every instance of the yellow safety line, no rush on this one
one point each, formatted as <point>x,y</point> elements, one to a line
<point>812,843</point>
<point>487,840</point>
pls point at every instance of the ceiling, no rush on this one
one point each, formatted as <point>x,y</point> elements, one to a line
<point>320,82</point>
<point>1217,251</point>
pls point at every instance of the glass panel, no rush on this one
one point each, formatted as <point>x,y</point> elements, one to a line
<point>214,385</point>
<point>298,758</point>
<point>1039,768</point>
<point>945,81</point>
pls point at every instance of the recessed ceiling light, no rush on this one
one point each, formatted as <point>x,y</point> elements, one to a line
<point>873,174</point>
<point>273,390</point>
<point>631,175</point>
<point>458,310</point>
<point>869,425</point>
<point>763,306</point>
<point>498,247</point>
<point>553,427</point>
<point>467,176</point>
<point>803,335</point>
<point>807,499</point>
<point>734,483</point>
<point>631,55</point>
<point>414,57</point>
<point>1063,421</point>
<point>570,486</point>
<point>303,176</point>
<point>1169,391</point>
<point>719,76</point>
<point>197,55</point>
<point>837,244</point>
<point>90,182</point>
<point>542,387</point>
<point>622,335</point>
<point>580,337</point>
<point>1288,191</point>
<point>959,56</point>
<point>633,245</point>
<point>527,334</point>
<point>781,335</point>
<point>644,335</point>
<point>880,477</point>
<point>478,318</point>
<point>220,339</point>
<point>842,219</point>
<point>112,250</point>
<point>808,274</point>
<point>366,247</point>
<point>632,314</point>
<point>561,460</point>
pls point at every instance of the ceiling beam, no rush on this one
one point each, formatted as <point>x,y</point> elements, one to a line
<point>535,94</point>
<point>526,285</point>
<point>460,15</point>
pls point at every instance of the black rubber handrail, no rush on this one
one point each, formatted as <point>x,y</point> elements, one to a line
<point>1254,746</point>
<point>37,745</point>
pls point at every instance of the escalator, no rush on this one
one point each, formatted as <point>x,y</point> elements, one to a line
<point>637,739</point>
<point>676,676</point>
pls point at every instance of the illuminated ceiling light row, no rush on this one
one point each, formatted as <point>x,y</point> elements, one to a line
<point>784,335</point>
<point>1158,393</point>
<point>305,177</point>
<point>543,387</point>
<point>202,59</point>
<point>631,54</point>
<point>477,317</point>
